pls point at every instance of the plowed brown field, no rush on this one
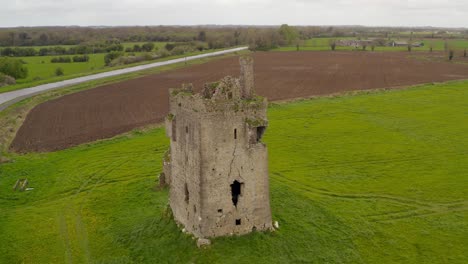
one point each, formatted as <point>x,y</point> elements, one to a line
<point>112,109</point>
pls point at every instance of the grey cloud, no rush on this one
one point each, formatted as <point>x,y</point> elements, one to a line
<point>450,13</point>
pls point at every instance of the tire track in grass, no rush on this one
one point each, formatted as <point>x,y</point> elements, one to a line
<point>381,161</point>
<point>75,208</point>
<point>420,208</point>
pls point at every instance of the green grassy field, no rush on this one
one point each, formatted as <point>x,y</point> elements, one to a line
<point>377,177</point>
<point>40,67</point>
<point>322,44</point>
<point>42,71</point>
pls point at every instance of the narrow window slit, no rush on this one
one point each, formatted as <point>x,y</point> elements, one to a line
<point>187,197</point>
<point>174,130</point>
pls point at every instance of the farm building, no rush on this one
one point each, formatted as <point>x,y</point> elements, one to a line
<point>354,43</point>
<point>405,44</point>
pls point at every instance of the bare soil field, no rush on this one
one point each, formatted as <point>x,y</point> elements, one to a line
<point>112,109</point>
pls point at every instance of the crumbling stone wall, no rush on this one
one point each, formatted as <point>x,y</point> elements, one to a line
<point>218,167</point>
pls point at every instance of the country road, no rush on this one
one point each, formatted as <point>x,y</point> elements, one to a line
<point>9,98</point>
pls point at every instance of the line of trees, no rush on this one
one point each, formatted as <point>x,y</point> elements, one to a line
<point>83,58</point>
<point>214,35</point>
<point>58,50</point>
<point>147,47</point>
<point>119,58</point>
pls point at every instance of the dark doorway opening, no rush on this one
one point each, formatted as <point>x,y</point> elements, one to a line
<point>235,192</point>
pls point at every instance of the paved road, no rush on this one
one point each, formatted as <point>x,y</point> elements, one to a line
<point>9,98</point>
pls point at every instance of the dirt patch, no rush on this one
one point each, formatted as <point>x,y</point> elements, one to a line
<point>112,109</point>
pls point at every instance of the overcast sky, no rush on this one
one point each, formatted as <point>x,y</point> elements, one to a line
<point>439,13</point>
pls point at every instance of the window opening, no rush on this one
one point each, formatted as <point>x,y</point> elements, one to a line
<point>235,192</point>
<point>260,132</point>
<point>174,130</point>
<point>187,197</point>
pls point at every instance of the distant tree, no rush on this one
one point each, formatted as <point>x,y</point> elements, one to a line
<point>410,47</point>
<point>147,47</point>
<point>451,54</point>
<point>364,47</point>
<point>13,68</point>
<point>170,46</point>
<point>43,52</point>
<point>112,56</point>
<point>43,39</point>
<point>332,44</point>
<point>201,36</point>
<point>83,58</point>
<point>23,39</point>
<point>7,52</point>
<point>136,48</point>
<point>288,34</point>
<point>464,53</point>
<point>58,50</point>
<point>114,47</point>
<point>59,71</point>
<point>61,60</point>
<point>373,47</point>
<point>237,35</point>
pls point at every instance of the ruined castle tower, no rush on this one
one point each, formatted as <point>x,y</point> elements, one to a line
<point>217,167</point>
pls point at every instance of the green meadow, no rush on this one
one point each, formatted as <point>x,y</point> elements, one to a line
<point>41,70</point>
<point>323,44</point>
<point>371,177</point>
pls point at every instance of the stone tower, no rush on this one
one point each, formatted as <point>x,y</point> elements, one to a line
<point>217,167</point>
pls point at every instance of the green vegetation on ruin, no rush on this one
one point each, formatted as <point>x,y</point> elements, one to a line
<point>375,177</point>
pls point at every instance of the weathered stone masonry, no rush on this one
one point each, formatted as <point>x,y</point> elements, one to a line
<point>217,166</point>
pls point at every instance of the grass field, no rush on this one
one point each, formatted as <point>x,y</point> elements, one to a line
<point>378,177</point>
<point>42,71</point>
<point>321,44</point>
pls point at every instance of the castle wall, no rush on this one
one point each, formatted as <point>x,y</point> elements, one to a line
<point>184,196</point>
<point>227,157</point>
<point>218,166</point>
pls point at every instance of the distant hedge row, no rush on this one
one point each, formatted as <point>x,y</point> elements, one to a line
<point>82,49</point>
<point>83,58</point>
